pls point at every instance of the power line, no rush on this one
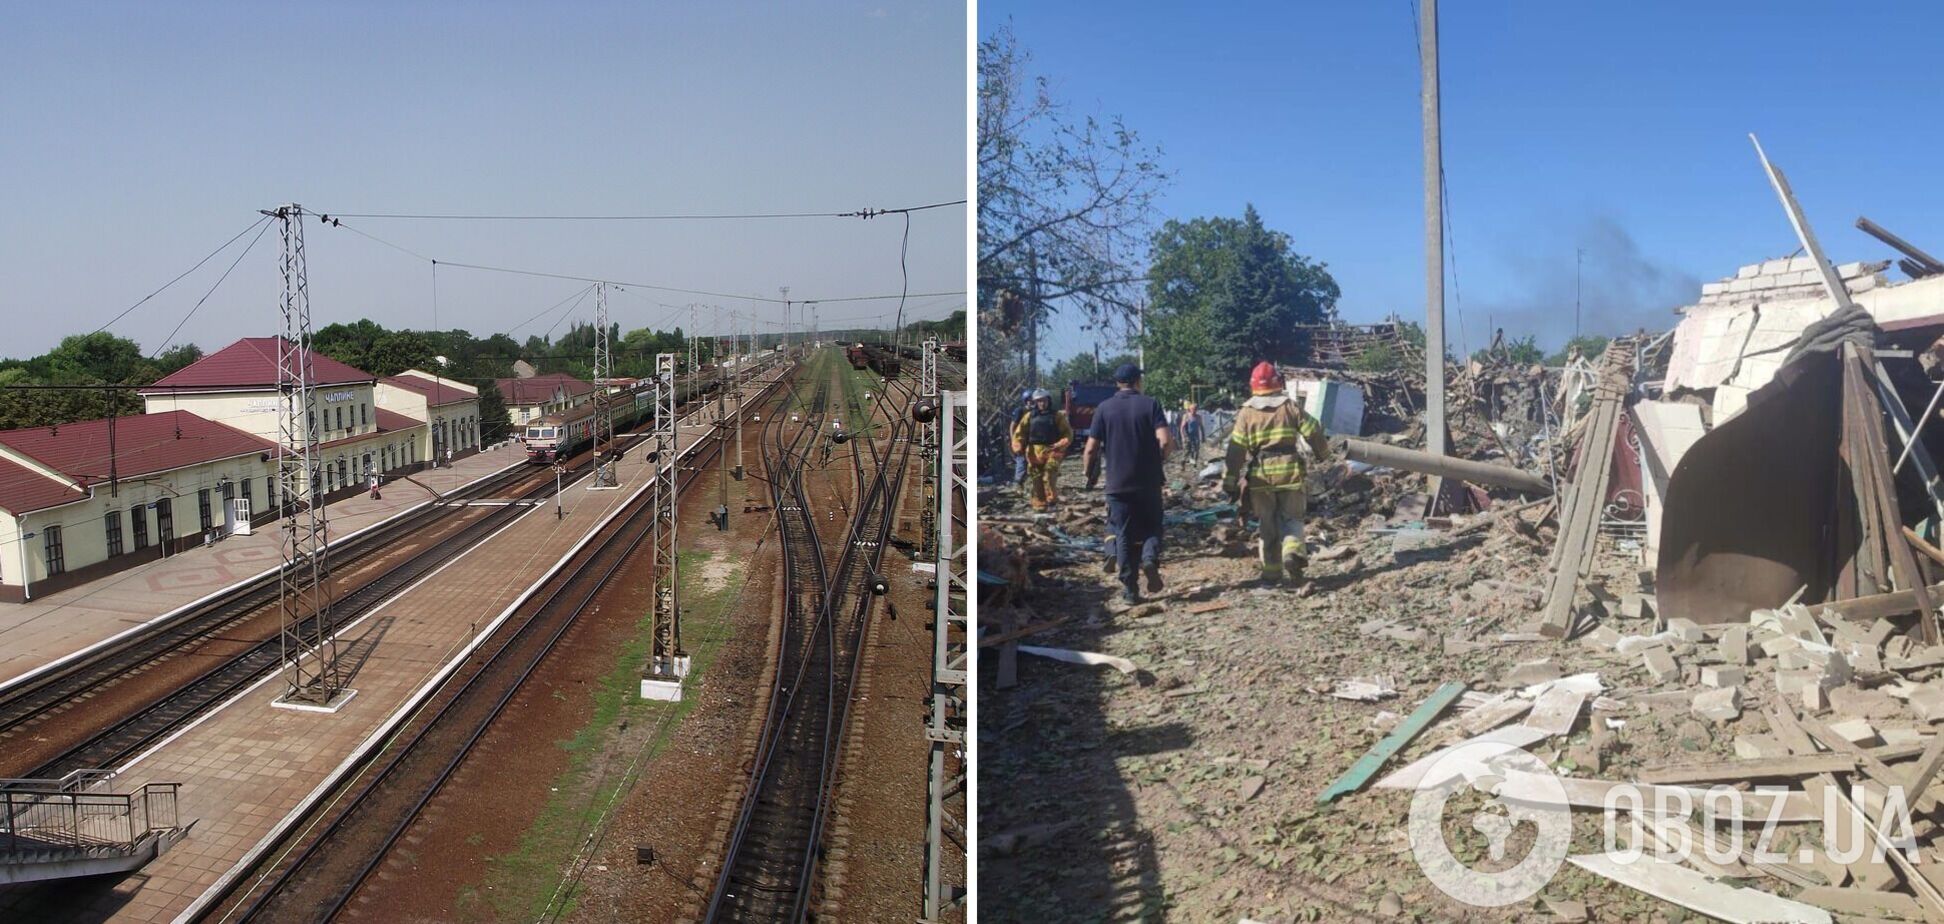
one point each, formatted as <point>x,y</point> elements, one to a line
<point>860,213</point>
<point>212,291</point>
<point>336,221</point>
<point>178,278</point>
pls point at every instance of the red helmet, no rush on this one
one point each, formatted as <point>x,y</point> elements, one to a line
<point>1264,379</point>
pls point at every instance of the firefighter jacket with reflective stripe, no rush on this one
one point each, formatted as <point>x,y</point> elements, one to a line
<point>1037,428</point>
<point>1274,442</point>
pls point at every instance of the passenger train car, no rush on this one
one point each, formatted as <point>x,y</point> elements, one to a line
<point>558,436</point>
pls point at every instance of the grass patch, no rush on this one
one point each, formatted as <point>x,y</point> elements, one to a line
<point>525,879</point>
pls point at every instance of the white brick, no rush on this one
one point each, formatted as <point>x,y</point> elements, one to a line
<point>1719,676</point>
<point>1713,288</point>
<point>1848,270</point>
<point>1742,284</point>
<point>1864,283</point>
<point>1799,264</point>
<point>1772,267</point>
<point>1753,269</point>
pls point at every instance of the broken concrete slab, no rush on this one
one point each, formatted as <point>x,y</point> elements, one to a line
<point>1686,630</point>
<point>1530,672</point>
<point>1661,665</point>
<point>1733,645</point>
<point>1722,705</point>
<point>1719,676</point>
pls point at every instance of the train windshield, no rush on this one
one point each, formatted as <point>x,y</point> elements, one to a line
<point>540,433</point>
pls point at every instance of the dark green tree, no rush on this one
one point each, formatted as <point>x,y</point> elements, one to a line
<point>1081,367</point>
<point>1223,294</point>
<point>494,421</point>
<point>396,351</point>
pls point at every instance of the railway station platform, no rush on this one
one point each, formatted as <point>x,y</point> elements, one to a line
<point>249,768</point>
<point>47,629</point>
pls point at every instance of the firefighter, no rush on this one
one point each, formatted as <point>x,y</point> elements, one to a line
<point>1273,445</point>
<point>1043,436</point>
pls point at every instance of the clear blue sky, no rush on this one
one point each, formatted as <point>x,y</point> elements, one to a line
<point>135,138</point>
<point>1619,127</point>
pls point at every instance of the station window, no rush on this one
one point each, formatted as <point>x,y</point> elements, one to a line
<point>340,417</point>
<point>202,507</point>
<point>165,522</point>
<point>364,414</point>
<point>111,523</point>
<point>56,556</point>
<point>138,518</point>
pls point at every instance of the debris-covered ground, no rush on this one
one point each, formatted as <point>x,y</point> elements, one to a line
<point>1186,787</point>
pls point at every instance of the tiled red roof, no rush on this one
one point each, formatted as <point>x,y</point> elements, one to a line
<point>144,444</point>
<point>540,388</point>
<point>437,393</point>
<point>22,489</point>
<point>250,363</point>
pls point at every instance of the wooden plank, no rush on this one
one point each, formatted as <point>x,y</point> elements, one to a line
<point>1876,769</point>
<point>1873,607</point>
<point>1926,769</point>
<point>1576,792</point>
<point>1917,542</point>
<point>1414,774</point>
<point>1849,826</point>
<point>1859,901</point>
<point>1876,457</point>
<point>1557,710</point>
<point>1414,724</point>
<point>1760,768</point>
<point>1675,883</point>
<point>1017,634</point>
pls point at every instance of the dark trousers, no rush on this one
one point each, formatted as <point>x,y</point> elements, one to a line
<point>1134,519</point>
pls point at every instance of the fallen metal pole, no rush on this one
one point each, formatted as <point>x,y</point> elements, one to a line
<point>1411,460</point>
<point>1926,261</point>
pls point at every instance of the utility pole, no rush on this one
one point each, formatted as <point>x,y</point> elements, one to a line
<point>945,726</point>
<point>1579,257</point>
<point>314,679</point>
<point>1434,332</point>
<point>741,378</point>
<point>785,292</point>
<point>667,664</point>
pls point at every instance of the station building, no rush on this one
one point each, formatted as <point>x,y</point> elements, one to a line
<point>449,410</point>
<point>84,499</point>
<point>237,386</point>
<point>537,396</point>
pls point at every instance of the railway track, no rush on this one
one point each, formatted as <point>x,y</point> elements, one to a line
<point>316,873</point>
<point>770,871</point>
<point>121,725</point>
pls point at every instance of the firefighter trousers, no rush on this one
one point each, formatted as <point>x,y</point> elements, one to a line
<point>1280,514</point>
<point>1042,475</point>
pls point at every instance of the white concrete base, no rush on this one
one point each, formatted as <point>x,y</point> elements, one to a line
<point>666,691</point>
<point>337,702</point>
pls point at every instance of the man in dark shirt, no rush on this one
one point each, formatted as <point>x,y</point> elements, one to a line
<point>1130,433</point>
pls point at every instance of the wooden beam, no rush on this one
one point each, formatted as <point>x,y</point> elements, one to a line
<point>1414,724</point>
<point>1760,768</point>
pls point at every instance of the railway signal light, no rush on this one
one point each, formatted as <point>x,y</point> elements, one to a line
<point>879,587</point>
<point>924,410</point>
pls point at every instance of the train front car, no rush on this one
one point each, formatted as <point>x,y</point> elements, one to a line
<point>543,440</point>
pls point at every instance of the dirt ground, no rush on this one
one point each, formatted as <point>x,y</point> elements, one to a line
<point>1187,789</point>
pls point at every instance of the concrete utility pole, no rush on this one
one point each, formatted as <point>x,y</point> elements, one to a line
<point>784,291</point>
<point>742,376</point>
<point>1434,332</point>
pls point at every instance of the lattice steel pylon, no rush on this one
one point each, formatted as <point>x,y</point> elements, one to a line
<point>946,810</point>
<point>604,474</point>
<point>667,663</point>
<point>928,451</point>
<point>308,636</point>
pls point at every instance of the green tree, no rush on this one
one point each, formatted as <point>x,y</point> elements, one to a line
<point>1223,294</point>
<point>1589,345</point>
<point>177,357</point>
<point>494,421</point>
<point>1521,351</point>
<point>396,351</point>
<point>1080,367</point>
<point>349,344</point>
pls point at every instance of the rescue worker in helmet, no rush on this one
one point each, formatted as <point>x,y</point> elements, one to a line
<point>1042,435</point>
<point>1273,445</point>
